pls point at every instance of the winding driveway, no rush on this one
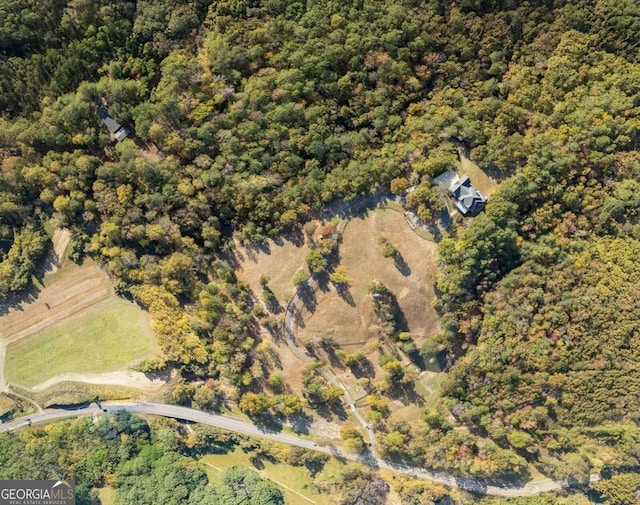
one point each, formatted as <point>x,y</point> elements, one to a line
<point>246,428</point>
<point>342,210</point>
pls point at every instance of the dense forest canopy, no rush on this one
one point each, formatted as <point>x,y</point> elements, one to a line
<point>247,115</point>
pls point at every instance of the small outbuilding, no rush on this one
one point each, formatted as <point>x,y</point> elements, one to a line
<point>118,131</point>
<point>467,198</point>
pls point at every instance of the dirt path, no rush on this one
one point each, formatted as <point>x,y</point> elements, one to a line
<point>61,238</point>
<point>128,378</point>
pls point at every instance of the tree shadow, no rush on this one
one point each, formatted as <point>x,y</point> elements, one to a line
<point>369,459</point>
<point>401,264</point>
<point>296,237</point>
<point>333,358</point>
<point>406,393</point>
<point>15,301</point>
<point>436,233</point>
<point>274,357</point>
<point>274,306</point>
<point>301,423</point>
<point>298,319</point>
<point>329,410</point>
<point>363,368</point>
<point>401,323</point>
<point>345,294</point>
<point>268,423</point>
<point>337,409</point>
<point>164,374</point>
<point>322,280</point>
<point>275,328</point>
<point>256,461</point>
<point>401,320</point>
<point>310,349</point>
<point>308,298</point>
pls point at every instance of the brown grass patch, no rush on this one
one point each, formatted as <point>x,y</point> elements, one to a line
<point>75,393</point>
<point>485,184</point>
<point>278,261</point>
<point>67,293</point>
<point>353,322</point>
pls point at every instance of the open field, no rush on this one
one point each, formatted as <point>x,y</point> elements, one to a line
<point>294,481</point>
<point>77,326</point>
<point>350,319</point>
<point>109,337</point>
<point>485,184</point>
<point>68,292</point>
<point>347,320</point>
<point>278,261</point>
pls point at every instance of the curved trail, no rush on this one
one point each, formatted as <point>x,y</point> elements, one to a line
<point>292,311</point>
<point>246,428</point>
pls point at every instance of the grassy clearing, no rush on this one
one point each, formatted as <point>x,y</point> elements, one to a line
<point>429,387</point>
<point>107,495</point>
<point>294,481</point>
<point>479,178</point>
<point>97,341</point>
<point>277,260</point>
<point>352,322</point>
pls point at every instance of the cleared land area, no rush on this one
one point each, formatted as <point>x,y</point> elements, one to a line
<point>75,325</point>
<point>349,318</point>
<point>330,320</point>
<point>278,261</point>
<point>294,481</point>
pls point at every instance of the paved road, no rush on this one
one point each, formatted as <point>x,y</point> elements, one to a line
<point>246,428</point>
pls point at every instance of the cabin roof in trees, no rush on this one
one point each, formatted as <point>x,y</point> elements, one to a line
<point>118,131</point>
<point>467,198</point>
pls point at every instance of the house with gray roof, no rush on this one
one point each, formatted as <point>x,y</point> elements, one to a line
<point>467,198</point>
<point>118,131</point>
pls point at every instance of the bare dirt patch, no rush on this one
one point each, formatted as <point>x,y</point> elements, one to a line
<point>60,241</point>
<point>129,378</point>
<point>152,155</point>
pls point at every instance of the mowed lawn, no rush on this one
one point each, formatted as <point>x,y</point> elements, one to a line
<point>107,337</point>
<point>479,178</point>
